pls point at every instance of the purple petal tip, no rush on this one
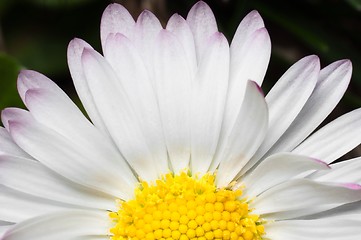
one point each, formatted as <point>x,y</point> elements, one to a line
<point>353,186</point>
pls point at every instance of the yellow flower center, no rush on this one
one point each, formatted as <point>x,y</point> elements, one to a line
<point>185,207</point>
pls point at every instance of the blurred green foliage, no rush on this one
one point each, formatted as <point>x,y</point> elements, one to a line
<point>9,69</point>
<point>35,34</point>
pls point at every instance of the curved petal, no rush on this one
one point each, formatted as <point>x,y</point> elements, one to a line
<point>173,87</point>
<point>286,99</point>
<point>118,114</point>
<point>203,25</point>
<point>335,139</point>
<point>277,169</point>
<point>180,28</point>
<point>146,31</point>
<point>9,147</point>
<point>75,50</point>
<point>4,229</point>
<point>245,137</point>
<point>33,178</point>
<point>68,158</point>
<point>115,19</point>
<point>342,172</point>
<point>124,58</point>
<point>209,92</point>
<point>50,106</point>
<point>330,87</point>
<point>250,50</point>
<point>69,225</point>
<point>17,206</point>
<point>323,229</point>
<point>248,62</point>
<point>301,197</point>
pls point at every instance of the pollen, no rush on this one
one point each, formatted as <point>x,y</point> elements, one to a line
<point>185,207</point>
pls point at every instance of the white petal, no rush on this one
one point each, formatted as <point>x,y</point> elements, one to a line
<point>248,63</point>
<point>286,99</point>
<point>70,225</point>
<point>3,229</point>
<point>303,197</point>
<point>115,19</point>
<point>173,87</point>
<point>146,31</point>
<point>75,49</point>
<point>342,172</point>
<point>68,158</point>
<point>33,178</point>
<point>349,211</point>
<point>335,139</point>
<point>50,106</point>
<point>322,229</point>
<point>330,87</point>
<point>250,50</point>
<point>17,206</point>
<point>124,58</point>
<point>180,28</point>
<point>277,169</point>
<point>9,147</point>
<point>118,114</point>
<point>208,100</point>
<point>203,25</point>
<point>245,137</point>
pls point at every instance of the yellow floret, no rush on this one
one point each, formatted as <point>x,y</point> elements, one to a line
<point>185,207</point>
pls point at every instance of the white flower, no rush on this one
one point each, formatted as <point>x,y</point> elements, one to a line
<point>166,101</point>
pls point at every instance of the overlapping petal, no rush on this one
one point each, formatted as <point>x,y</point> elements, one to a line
<point>175,99</point>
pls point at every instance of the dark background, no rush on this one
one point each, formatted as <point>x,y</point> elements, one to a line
<point>34,34</point>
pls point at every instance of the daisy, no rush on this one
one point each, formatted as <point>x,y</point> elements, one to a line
<point>182,143</point>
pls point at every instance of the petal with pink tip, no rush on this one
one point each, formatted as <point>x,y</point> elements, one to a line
<point>335,139</point>
<point>203,25</point>
<point>173,87</point>
<point>116,19</point>
<point>124,58</point>
<point>75,49</point>
<point>246,136</point>
<point>209,93</point>
<point>331,85</point>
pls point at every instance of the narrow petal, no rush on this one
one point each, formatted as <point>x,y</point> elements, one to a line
<point>124,58</point>
<point>146,31</point>
<point>250,50</point>
<point>245,137</point>
<point>342,172</point>
<point>63,225</point>
<point>4,229</point>
<point>286,99</point>
<point>180,28</point>
<point>118,114</point>
<point>68,158</point>
<point>75,49</point>
<point>247,63</point>
<point>330,87</point>
<point>49,105</point>
<point>33,178</point>
<point>9,147</point>
<point>303,197</point>
<point>277,169</point>
<point>323,229</point>
<point>203,25</point>
<point>173,87</point>
<point>335,139</point>
<point>17,206</point>
<point>115,19</point>
<point>208,101</point>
